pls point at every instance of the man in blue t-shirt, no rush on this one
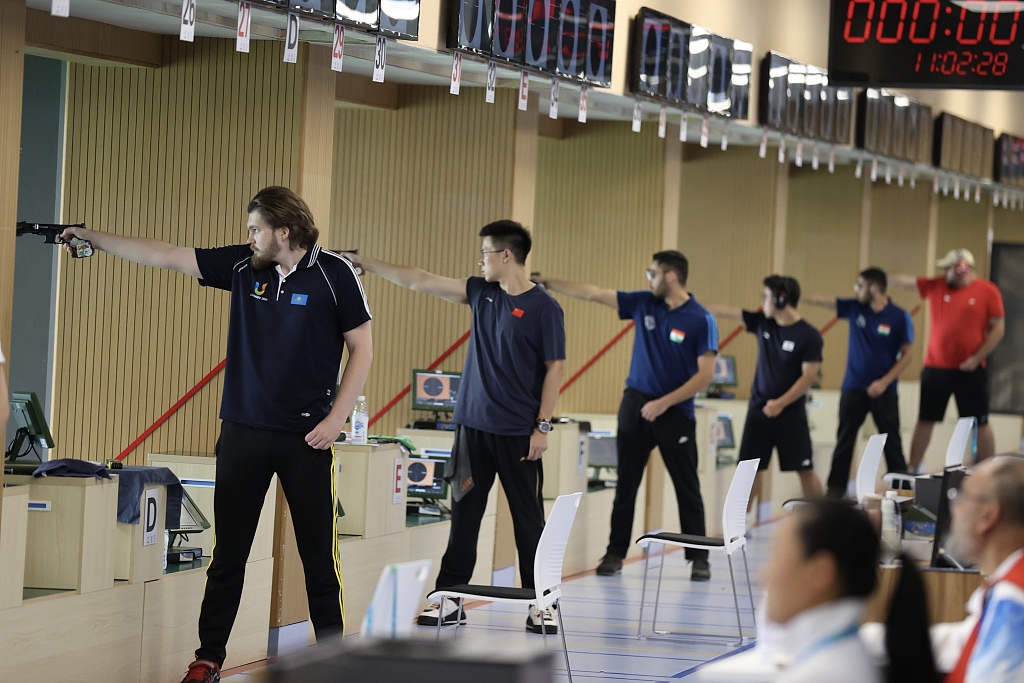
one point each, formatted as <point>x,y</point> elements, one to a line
<point>294,309</point>
<point>788,358</point>
<point>881,344</point>
<point>673,358</point>
<point>513,372</point>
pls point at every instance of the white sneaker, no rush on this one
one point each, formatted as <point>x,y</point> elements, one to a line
<point>541,621</point>
<point>453,612</point>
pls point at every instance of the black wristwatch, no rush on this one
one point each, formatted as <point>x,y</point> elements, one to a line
<point>543,426</point>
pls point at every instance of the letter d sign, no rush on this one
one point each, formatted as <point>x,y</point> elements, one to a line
<point>149,518</point>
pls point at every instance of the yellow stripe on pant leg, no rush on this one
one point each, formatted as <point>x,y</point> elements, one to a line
<point>334,531</point>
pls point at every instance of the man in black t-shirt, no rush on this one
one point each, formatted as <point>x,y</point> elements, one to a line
<point>294,308</point>
<point>510,383</point>
<point>789,355</point>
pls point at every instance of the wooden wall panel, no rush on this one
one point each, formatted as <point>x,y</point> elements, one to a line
<point>12,70</point>
<point>598,219</point>
<point>899,244</point>
<point>822,243</point>
<point>414,186</point>
<point>726,230</point>
<point>174,154</point>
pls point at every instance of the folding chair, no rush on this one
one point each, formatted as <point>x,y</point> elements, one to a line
<point>965,426</point>
<point>547,574</point>
<point>867,471</point>
<point>734,526</point>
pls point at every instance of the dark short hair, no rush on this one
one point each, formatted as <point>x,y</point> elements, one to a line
<point>877,277</point>
<point>508,234</point>
<point>674,260</point>
<point>845,533</point>
<point>783,284</point>
<point>282,208</point>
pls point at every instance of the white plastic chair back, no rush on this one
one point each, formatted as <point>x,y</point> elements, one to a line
<point>734,512</point>
<point>867,472</point>
<point>396,600</point>
<point>547,564</point>
<point>958,444</point>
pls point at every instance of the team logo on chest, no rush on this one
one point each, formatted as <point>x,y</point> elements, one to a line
<point>788,345</point>
<point>677,336</point>
<point>861,322</point>
<point>258,291</point>
<point>884,330</point>
<point>649,323</point>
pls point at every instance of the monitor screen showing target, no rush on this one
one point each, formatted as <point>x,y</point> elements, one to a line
<point>424,478</point>
<point>434,390</point>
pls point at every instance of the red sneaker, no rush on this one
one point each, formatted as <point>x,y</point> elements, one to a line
<point>202,671</point>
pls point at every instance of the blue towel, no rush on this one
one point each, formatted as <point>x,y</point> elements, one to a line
<point>70,467</point>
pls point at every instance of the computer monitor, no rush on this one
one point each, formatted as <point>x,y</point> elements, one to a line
<point>724,439</point>
<point>952,478</point>
<point>192,519</point>
<point>32,428</point>
<point>435,390</point>
<point>725,371</point>
<point>424,478</point>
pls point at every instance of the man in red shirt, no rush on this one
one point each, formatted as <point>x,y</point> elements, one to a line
<point>967,322</point>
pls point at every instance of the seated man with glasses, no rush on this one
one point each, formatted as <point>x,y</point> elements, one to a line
<point>881,345</point>
<point>988,531</point>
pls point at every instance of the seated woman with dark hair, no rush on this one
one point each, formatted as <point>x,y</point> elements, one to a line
<point>823,567</point>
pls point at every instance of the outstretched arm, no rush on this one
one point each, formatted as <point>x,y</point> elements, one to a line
<point>828,302</point>
<point>416,279</point>
<point>720,311</point>
<point>601,295</point>
<point>140,250</point>
<point>903,281</point>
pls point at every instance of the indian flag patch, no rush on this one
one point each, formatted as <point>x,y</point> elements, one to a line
<point>884,330</point>
<point>677,336</point>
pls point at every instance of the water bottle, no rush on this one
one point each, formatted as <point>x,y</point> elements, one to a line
<point>892,527</point>
<point>360,420</point>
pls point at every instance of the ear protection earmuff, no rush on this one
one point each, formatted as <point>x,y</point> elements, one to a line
<point>779,299</point>
<point>961,266</point>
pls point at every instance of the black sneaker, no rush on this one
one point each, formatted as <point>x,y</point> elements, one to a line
<point>701,570</point>
<point>611,564</point>
<point>453,612</point>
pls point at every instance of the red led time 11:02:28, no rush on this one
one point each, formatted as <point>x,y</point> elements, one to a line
<point>963,63</point>
<point>920,21</point>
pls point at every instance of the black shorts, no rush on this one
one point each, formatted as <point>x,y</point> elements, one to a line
<point>969,388</point>
<point>788,433</point>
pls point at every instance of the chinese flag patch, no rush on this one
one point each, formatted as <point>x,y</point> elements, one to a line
<point>518,312</point>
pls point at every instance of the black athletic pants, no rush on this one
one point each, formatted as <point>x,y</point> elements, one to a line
<point>247,458</point>
<point>675,436</point>
<point>523,480</point>
<point>854,406</point>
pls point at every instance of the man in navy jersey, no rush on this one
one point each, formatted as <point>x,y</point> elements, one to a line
<point>788,358</point>
<point>510,383</point>
<point>673,358</point>
<point>294,309</point>
<point>880,347</point>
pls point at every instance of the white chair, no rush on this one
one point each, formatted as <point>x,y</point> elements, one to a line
<point>965,426</point>
<point>395,600</point>
<point>867,471</point>
<point>734,527</point>
<point>547,574</point>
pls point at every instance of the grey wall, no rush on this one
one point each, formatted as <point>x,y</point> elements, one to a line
<point>35,266</point>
